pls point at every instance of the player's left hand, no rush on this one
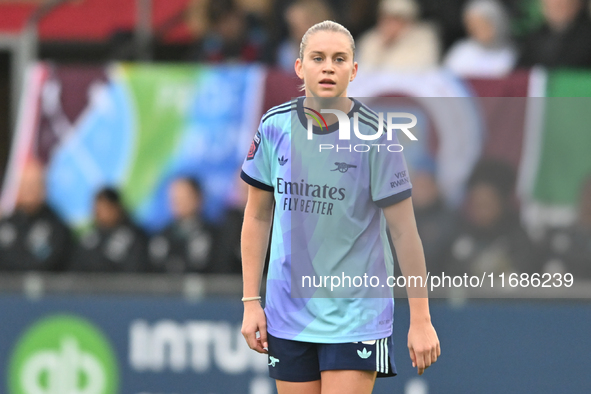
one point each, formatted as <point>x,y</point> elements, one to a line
<point>423,345</point>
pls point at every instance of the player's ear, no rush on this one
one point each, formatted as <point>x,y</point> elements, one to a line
<point>298,68</point>
<point>354,72</point>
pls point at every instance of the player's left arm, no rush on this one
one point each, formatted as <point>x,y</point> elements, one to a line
<point>423,343</point>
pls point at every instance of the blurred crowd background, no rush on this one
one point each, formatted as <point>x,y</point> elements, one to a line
<point>484,41</point>
<point>123,126</point>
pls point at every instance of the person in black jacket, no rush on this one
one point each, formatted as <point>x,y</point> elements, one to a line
<point>490,238</point>
<point>186,244</point>
<point>436,223</point>
<point>114,243</point>
<point>227,255</point>
<point>33,237</point>
<point>563,40</point>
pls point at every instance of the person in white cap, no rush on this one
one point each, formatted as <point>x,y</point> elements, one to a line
<point>399,41</point>
<point>488,51</point>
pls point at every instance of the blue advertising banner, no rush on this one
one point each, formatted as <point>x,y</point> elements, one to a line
<point>149,345</point>
<point>105,345</point>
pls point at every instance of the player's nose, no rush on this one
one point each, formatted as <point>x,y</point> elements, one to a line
<point>328,68</point>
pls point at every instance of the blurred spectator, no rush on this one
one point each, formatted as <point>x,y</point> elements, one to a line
<point>228,257</point>
<point>490,238</point>
<point>114,244</point>
<point>447,16</point>
<point>191,20</point>
<point>33,237</point>
<point>232,36</point>
<point>569,249</point>
<point>187,243</point>
<point>435,222</point>
<point>399,41</point>
<point>360,16</point>
<point>260,8</point>
<point>300,16</point>
<point>195,17</point>
<point>563,40</point>
<point>488,51</point>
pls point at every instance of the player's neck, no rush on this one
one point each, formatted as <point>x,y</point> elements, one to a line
<point>343,104</point>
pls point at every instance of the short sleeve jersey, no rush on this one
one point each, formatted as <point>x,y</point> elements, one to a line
<point>327,223</point>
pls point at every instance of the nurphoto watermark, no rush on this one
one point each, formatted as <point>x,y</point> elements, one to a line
<point>345,129</point>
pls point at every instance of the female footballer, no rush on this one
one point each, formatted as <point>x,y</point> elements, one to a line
<point>330,210</point>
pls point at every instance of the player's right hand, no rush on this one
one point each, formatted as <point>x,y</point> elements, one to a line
<point>423,345</point>
<point>253,321</point>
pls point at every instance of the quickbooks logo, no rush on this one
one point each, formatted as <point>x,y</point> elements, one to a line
<point>63,355</point>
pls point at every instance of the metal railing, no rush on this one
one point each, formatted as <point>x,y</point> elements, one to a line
<point>35,285</point>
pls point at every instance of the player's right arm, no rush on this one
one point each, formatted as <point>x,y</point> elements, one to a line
<point>258,216</point>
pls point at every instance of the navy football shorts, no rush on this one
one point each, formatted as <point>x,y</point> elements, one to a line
<point>295,361</point>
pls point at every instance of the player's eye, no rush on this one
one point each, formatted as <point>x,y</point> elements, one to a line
<point>340,59</point>
<point>317,58</point>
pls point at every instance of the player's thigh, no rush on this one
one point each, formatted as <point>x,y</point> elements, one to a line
<point>284,387</point>
<point>347,382</point>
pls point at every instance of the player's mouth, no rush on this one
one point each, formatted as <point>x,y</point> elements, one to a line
<point>327,83</point>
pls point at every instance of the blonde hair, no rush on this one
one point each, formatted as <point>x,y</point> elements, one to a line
<point>326,26</point>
